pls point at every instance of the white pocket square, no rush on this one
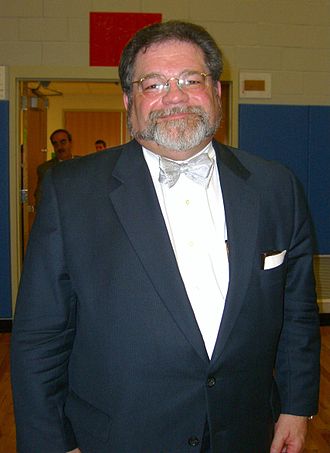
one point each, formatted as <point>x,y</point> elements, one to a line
<point>271,259</point>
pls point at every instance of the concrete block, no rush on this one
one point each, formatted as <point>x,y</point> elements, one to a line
<point>65,54</point>
<point>20,53</point>
<point>45,29</point>
<point>8,29</point>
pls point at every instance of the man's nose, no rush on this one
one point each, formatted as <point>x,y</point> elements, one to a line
<point>174,94</point>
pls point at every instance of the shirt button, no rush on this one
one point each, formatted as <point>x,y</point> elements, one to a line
<point>211,381</point>
<point>193,441</point>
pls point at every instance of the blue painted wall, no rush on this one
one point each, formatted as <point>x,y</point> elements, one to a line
<point>299,137</point>
<point>319,165</point>
<point>5,279</point>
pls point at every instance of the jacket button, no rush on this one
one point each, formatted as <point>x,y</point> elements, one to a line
<point>193,441</point>
<point>211,381</point>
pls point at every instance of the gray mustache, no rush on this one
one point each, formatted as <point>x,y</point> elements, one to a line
<point>172,111</point>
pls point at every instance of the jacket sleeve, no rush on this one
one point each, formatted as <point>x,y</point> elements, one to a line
<point>43,335</point>
<point>297,366</point>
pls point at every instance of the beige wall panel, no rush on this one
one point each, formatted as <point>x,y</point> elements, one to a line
<point>283,35</point>
<point>20,53</point>
<point>87,127</point>
<point>171,9</point>
<point>291,12</point>
<point>317,84</point>
<point>316,60</point>
<point>19,8</point>
<point>78,29</point>
<point>59,104</point>
<point>319,37</point>
<point>68,8</point>
<point>226,34</point>
<point>41,29</point>
<point>224,11</point>
<point>260,58</point>
<point>66,53</point>
<point>9,29</point>
<point>118,6</point>
<point>287,83</point>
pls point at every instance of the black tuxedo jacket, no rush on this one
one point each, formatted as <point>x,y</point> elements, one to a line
<point>106,352</point>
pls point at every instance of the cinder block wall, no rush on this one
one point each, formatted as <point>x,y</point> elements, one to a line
<point>288,39</point>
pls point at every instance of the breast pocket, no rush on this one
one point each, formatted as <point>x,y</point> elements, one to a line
<point>271,259</point>
<point>270,278</point>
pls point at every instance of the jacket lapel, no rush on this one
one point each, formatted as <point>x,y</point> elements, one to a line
<point>135,201</point>
<point>134,198</point>
<point>241,204</point>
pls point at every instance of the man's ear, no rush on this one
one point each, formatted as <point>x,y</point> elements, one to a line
<point>125,99</point>
<point>219,88</point>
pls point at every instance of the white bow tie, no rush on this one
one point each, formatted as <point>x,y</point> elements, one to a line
<point>198,169</point>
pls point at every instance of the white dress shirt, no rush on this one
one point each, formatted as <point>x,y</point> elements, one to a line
<point>195,221</point>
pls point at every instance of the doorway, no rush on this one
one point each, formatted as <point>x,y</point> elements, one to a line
<point>33,146</point>
<point>89,110</point>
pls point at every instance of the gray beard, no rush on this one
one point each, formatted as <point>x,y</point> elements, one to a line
<point>180,134</point>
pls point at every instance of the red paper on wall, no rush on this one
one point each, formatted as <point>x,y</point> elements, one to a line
<point>110,32</point>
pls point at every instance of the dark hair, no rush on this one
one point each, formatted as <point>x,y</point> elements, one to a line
<point>169,31</point>
<point>101,142</point>
<point>61,130</point>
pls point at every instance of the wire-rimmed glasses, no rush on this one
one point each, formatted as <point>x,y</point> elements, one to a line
<point>158,85</point>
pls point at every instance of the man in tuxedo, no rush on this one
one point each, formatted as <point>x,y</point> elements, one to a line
<point>167,302</point>
<point>61,140</point>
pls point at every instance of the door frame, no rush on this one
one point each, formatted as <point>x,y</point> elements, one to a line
<point>33,134</point>
<point>91,74</point>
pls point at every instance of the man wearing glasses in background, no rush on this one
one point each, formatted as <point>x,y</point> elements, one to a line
<point>167,303</point>
<point>61,140</point>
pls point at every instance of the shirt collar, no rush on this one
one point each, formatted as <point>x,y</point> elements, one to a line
<point>152,158</point>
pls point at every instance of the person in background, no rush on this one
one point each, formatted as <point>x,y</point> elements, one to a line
<point>61,140</point>
<point>167,302</point>
<point>100,144</point>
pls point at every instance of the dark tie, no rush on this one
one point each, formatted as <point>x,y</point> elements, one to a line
<point>198,169</point>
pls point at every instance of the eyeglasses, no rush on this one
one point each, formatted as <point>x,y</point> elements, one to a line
<point>157,84</point>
